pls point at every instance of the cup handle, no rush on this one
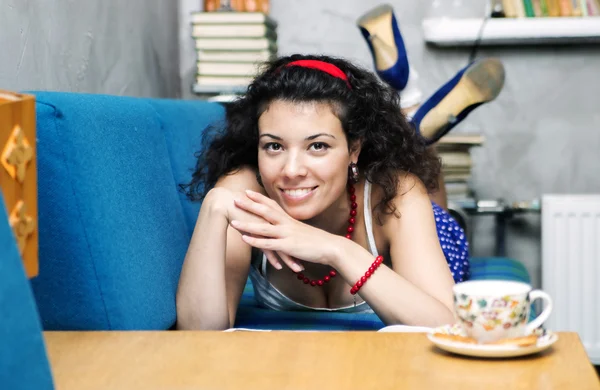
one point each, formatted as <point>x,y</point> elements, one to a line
<point>539,320</point>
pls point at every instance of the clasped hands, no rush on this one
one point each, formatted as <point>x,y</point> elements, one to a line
<point>279,235</point>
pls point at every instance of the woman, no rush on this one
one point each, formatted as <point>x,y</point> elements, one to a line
<point>317,187</point>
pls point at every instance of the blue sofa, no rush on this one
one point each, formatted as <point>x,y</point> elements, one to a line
<point>23,361</point>
<point>114,227</point>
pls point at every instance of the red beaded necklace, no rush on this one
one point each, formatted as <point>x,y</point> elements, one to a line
<point>350,230</point>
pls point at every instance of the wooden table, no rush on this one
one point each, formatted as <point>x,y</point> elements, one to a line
<point>299,360</point>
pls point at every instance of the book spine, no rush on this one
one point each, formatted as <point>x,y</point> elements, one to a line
<point>233,31</point>
<point>544,7</point>
<point>520,8</point>
<point>576,7</point>
<point>227,18</point>
<point>235,44</point>
<point>583,6</point>
<point>509,8</point>
<point>528,8</point>
<point>227,69</point>
<point>210,5</point>
<point>592,7</point>
<point>537,8</point>
<point>553,8</point>
<point>566,8</point>
<point>234,56</point>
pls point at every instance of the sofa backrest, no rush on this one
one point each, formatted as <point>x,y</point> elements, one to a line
<point>113,227</point>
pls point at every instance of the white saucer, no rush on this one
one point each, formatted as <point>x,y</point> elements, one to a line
<point>405,329</point>
<point>545,339</point>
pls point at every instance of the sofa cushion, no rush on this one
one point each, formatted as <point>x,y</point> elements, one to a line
<point>112,228</point>
<point>184,123</point>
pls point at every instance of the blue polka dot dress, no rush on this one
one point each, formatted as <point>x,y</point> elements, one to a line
<point>454,243</point>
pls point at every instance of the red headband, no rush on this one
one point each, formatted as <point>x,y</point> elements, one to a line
<point>322,66</point>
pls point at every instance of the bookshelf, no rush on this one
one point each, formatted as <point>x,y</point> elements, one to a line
<point>512,31</point>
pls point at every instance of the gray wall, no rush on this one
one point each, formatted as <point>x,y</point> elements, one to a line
<point>127,47</point>
<point>542,133</point>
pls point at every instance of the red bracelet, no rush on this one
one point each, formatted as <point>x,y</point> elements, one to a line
<point>363,279</point>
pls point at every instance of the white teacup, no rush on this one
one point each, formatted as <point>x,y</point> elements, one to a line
<point>490,310</point>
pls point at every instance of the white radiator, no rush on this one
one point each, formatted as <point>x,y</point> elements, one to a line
<point>571,266</point>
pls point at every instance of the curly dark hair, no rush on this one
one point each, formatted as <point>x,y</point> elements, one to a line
<point>369,112</point>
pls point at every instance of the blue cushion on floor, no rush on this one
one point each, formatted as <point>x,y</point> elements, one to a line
<point>502,268</point>
<point>250,315</point>
<point>23,361</point>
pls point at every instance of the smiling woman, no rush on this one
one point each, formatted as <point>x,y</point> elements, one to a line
<point>317,188</point>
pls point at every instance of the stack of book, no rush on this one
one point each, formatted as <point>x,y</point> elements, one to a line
<point>231,46</point>
<point>546,8</point>
<point>454,151</point>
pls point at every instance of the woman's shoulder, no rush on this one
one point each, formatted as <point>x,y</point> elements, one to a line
<point>241,179</point>
<point>410,201</point>
<point>409,190</point>
<point>408,187</point>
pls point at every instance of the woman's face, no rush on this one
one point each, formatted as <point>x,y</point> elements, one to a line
<point>303,157</point>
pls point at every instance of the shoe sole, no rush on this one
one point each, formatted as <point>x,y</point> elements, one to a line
<point>481,83</point>
<point>378,22</point>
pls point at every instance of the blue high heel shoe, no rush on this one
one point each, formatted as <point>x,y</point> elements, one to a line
<point>477,83</point>
<point>380,29</point>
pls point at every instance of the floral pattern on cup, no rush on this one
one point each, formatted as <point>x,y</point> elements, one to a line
<point>490,310</point>
<point>492,313</point>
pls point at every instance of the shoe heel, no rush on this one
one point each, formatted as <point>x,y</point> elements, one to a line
<point>477,83</point>
<point>485,80</point>
<point>376,28</point>
<point>380,29</point>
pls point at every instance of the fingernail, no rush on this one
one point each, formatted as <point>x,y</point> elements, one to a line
<point>278,266</point>
<point>234,222</point>
<point>296,267</point>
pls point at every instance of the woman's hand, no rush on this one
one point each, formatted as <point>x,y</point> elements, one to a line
<point>222,199</point>
<point>276,231</point>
